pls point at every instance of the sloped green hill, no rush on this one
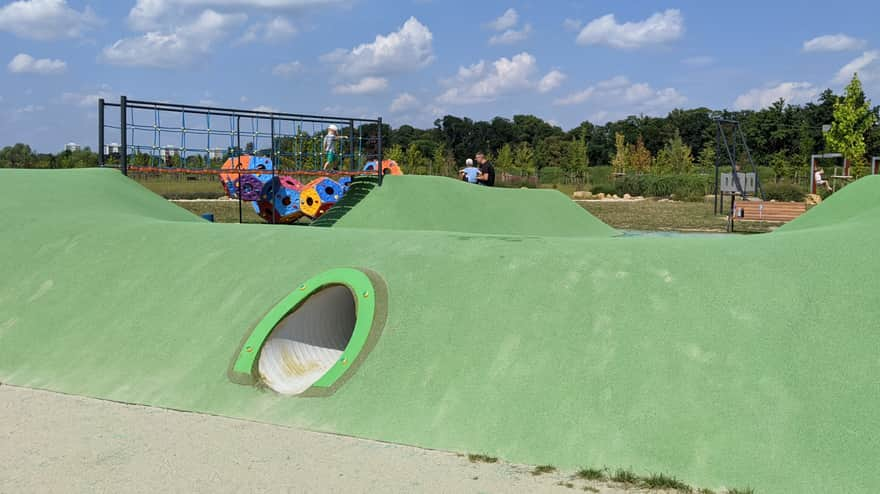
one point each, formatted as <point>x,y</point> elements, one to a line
<point>442,204</point>
<point>726,361</point>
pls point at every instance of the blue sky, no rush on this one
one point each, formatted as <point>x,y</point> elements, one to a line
<point>411,61</point>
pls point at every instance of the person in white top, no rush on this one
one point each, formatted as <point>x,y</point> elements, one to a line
<point>820,179</point>
<point>470,172</point>
<point>329,146</point>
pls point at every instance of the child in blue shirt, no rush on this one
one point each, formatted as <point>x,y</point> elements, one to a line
<point>470,172</point>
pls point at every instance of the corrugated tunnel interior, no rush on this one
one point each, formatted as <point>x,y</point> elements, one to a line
<point>309,341</point>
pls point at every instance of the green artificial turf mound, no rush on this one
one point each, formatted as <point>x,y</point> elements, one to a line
<point>441,204</point>
<point>727,361</point>
<point>857,203</point>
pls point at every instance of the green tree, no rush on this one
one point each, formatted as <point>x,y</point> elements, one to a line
<point>675,157</point>
<point>442,162</point>
<point>505,158</point>
<point>706,158</point>
<point>620,162</point>
<point>414,158</point>
<point>395,154</point>
<point>139,159</point>
<point>524,158</point>
<point>17,156</point>
<point>852,120</point>
<point>781,165</point>
<point>576,159</point>
<point>552,152</point>
<point>640,158</point>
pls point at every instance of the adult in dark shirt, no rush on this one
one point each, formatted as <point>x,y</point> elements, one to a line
<point>487,171</point>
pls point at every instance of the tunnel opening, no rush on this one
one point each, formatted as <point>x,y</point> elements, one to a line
<point>313,340</point>
<point>309,341</point>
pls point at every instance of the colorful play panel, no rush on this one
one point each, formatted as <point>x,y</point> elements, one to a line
<point>439,314</point>
<point>279,198</point>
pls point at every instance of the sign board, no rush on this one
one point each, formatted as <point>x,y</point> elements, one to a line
<point>746,180</point>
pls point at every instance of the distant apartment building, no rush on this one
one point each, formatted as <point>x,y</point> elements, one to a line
<point>216,153</point>
<point>170,150</point>
<point>112,148</point>
<point>72,146</point>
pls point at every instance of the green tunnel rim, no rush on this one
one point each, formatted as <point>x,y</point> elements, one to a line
<point>364,294</point>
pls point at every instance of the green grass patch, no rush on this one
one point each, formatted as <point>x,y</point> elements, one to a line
<point>542,469</point>
<point>662,481</point>
<point>591,474</point>
<point>747,490</point>
<point>179,186</point>
<point>625,477</point>
<point>563,483</point>
<point>223,211</point>
<point>655,215</point>
<point>589,488</point>
<point>482,459</point>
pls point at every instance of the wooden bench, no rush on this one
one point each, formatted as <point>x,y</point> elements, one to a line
<point>772,212</point>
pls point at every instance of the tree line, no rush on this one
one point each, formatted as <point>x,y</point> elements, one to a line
<point>781,136</point>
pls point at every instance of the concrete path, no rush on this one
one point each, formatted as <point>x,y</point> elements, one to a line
<point>52,442</point>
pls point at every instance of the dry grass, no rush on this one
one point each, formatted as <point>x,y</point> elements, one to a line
<point>658,215</point>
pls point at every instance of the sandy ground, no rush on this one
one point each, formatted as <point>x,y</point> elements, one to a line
<point>51,442</point>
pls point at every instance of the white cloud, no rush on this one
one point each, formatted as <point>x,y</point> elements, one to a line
<point>45,19</point>
<point>699,61</point>
<point>87,99</point>
<point>276,30</point>
<point>367,85</point>
<point>627,96</point>
<point>659,28</point>
<point>30,109</point>
<point>481,83</point>
<point>413,112</point>
<point>550,81</point>
<point>576,98</point>
<point>506,21</point>
<point>601,117</point>
<point>265,108</point>
<point>863,65</point>
<point>24,63</point>
<point>572,25</point>
<point>833,42</point>
<point>511,36</point>
<point>147,15</point>
<point>180,47</point>
<point>404,102</point>
<point>616,82</point>
<point>279,27</point>
<point>407,49</point>
<point>791,92</point>
<point>287,69</point>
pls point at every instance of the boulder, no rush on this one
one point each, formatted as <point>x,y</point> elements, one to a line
<point>601,196</point>
<point>627,197</point>
<point>582,194</point>
<point>813,199</point>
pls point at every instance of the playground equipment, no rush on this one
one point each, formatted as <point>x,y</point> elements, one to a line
<point>814,163</point>
<point>735,183</point>
<point>841,173</point>
<point>157,137</point>
<point>232,181</point>
<point>282,199</point>
<point>389,167</point>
